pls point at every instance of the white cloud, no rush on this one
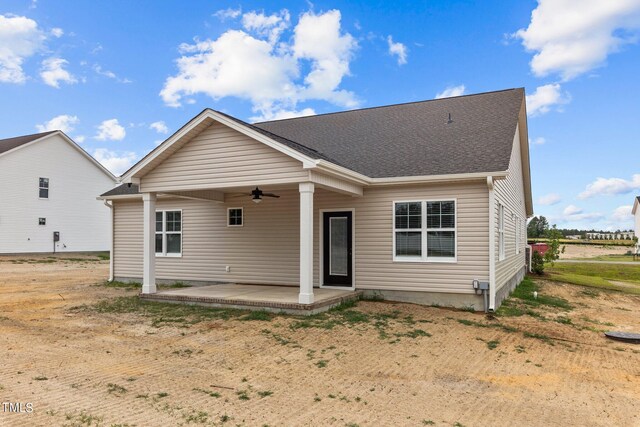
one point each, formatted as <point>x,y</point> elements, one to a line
<point>79,138</point>
<point>285,114</point>
<point>63,122</point>
<point>57,32</point>
<point>622,213</point>
<point>53,73</point>
<point>109,74</point>
<point>572,210</point>
<point>610,186</point>
<point>538,141</point>
<point>451,91</point>
<point>116,162</point>
<point>545,97</point>
<point>159,127</point>
<point>576,214</point>
<point>398,49</point>
<point>549,199</point>
<point>270,26</point>
<point>20,38</point>
<point>110,130</point>
<point>570,37</point>
<point>228,13</point>
<point>318,38</point>
<point>264,67</point>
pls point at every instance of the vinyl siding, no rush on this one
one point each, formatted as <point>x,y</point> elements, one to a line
<point>265,249</point>
<point>510,193</point>
<point>222,157</point>
<point>72,209</point>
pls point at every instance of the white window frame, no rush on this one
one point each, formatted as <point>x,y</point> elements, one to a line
<point>517,235</point>
<point>47,187</point>
<point>229,217</point>
<point>423,230</point>
<point>164,233</point>
<point>501,252</point>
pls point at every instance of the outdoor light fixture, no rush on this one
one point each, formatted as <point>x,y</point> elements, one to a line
<point>257,195</point>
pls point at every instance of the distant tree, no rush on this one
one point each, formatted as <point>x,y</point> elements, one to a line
<point>537,227</point>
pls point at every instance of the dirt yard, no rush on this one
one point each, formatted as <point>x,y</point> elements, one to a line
<point>376,364</point>
<point>591,251</point>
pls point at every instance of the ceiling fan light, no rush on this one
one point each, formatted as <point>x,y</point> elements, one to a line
<point>256,200</point>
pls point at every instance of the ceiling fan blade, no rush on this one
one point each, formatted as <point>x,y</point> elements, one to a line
<point>270,195</point>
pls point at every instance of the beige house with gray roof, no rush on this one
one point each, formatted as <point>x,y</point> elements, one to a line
<point>423,202</point>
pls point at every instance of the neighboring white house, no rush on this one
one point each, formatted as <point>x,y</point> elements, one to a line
<point>636,216</point>
<point>49,184</point>
<point>421,202</point>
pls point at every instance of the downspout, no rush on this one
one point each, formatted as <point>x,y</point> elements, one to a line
<point>492,245</point>
<point>110,206</point>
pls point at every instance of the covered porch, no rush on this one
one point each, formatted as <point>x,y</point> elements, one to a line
<point>254,297</point>
<point>303,298</point>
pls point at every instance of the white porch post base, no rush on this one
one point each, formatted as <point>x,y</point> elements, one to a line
<point>306,243</point>
<point>149,255</point>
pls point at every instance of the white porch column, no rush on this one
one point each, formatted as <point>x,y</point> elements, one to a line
<point>149,254</point>
<point>306,243</point>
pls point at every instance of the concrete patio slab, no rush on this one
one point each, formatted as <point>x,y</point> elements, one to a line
<point>255,297</point>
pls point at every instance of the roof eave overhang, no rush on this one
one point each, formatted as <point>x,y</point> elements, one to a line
<point>524,156</point>
<point>636,203</point>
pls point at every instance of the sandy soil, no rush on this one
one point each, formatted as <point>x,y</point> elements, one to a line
<point>590,251</point>
<point>107,369</point>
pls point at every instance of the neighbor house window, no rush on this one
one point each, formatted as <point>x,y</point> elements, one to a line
<point>43,188</point>
<point>501,231</point>
<point>169,233</point>
<point>42,221</point>
<point>425,231</point>
<point>234,217</point>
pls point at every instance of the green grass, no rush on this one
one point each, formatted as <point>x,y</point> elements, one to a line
<point>162,314</point>
<point>522,301</point>
<point>258,315</point>
<point>615,258</point>
<point>491,345</point>
<point>597,275</point>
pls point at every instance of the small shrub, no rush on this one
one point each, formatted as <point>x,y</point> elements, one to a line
<point>537,263</point>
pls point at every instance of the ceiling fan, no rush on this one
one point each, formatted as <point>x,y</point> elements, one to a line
<point>257,194</point>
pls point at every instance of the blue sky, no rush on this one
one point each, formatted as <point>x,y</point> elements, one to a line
<point>121,76</point>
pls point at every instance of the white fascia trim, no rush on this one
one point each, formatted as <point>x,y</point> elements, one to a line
<point>636,203</point>
<point>130,176</point>
<point>438,178</point>
<point>120,197</point>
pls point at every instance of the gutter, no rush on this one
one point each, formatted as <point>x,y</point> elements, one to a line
<point>492,245</point>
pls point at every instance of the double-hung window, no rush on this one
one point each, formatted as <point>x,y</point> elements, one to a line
<point>501,232</point>
<point>168,233</point>
<point>43,188</point>
<point>425,231</point>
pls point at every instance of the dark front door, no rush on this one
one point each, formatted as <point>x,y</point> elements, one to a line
<point>337,248</point>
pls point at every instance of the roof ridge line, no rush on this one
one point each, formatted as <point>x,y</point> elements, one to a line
<point>388,105</point>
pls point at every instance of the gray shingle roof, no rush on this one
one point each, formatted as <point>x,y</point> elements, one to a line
<point>11,143</point>
<point>411,139</point>
<point>122,190</point>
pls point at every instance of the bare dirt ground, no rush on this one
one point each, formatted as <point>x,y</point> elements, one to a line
<point>80,367</point>
<point>591,251</point>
